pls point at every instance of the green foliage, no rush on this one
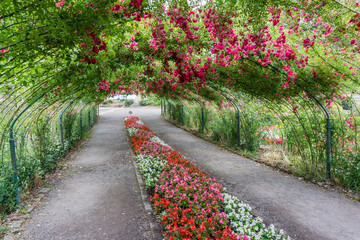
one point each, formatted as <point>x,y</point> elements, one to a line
<point>250,131</point>
<point>108,101</point>
<point>297,139</point>
<point>3,230</point>
<point>145,102</point>
<point>38,150</point>
<point>7,190</point>
<point>44,45</point>
<point>151,100</point>
<point>220,125</point>
<point>128,102</point>
<point>224,128</point>
<point>347,170</point>
<point>346,103</point>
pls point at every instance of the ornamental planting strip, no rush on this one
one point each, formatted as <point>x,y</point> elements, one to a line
<point>187,201</point>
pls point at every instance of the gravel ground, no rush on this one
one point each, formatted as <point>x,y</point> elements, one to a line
<point>303,210</point>
<point>100,198</point>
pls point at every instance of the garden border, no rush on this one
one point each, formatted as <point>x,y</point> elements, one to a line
<point>155,228</point>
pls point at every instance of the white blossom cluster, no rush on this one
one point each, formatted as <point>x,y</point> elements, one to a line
<point>131,130</point>
<point>158,140</point>
<point>150,168</point>
<point>243,222</point>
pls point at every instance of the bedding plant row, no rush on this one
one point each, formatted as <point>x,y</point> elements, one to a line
<point>188,202</point>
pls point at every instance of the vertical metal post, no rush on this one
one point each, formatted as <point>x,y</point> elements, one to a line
<point>13,148</point>
<point>328,149</point>
<point>14,166</point>
<point>202,116</point>
<point>328,138</point>
<point>61,128</point>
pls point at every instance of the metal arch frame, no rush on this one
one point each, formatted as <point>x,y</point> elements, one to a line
<point>13,149</point>
<point>238,115</point>
<point>328,124</point>
<point>202,116</point>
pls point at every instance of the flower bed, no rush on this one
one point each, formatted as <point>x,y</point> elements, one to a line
<point>189,203</point>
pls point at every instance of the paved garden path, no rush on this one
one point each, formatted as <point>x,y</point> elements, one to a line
<point>303,210</point>
<point>100,198</point>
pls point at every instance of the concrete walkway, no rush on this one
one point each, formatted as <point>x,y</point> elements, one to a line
<point>100,198</point>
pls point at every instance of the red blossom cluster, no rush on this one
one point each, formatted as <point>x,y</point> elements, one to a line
<point>159,35</point>
<point>182,21</point>
<point>128,11</point>
<point>97,46</point>
<point>103,85</point>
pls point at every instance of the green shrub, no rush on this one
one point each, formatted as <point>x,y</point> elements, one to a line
<point>108,101</point>
<point>128,102</point>
<point>145,102</point>
<point>155,101</point>
<point>38,151</point>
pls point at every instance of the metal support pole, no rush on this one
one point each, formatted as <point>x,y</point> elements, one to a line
<point>13,149</point>
<point>61,128</point>
<point>328,137</point>
<point>202,116</point>
<point>328,149</point>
